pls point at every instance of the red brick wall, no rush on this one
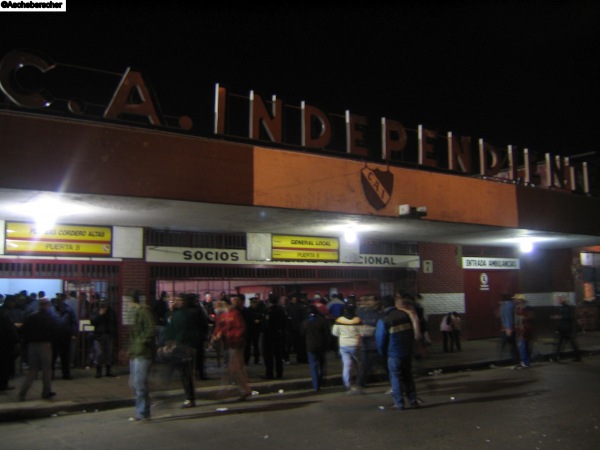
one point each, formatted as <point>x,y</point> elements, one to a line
<point>447,273</point>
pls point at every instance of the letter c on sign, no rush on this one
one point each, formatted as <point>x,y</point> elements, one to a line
<point>10,66</point>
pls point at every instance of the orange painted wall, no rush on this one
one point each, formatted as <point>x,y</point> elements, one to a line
<point>313,182</point>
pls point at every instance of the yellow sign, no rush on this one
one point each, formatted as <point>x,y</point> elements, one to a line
<point>18,230</point>
<point>24,238</point>
<point>47,247</point>
<point>304,248</point>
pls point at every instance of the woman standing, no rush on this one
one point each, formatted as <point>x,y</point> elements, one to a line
<point>447,333</point>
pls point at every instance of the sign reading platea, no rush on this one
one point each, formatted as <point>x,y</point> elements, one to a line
<point>253,118</point>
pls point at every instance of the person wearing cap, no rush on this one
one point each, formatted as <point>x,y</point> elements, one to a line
<point>524,318</point>
<point>38,331</point>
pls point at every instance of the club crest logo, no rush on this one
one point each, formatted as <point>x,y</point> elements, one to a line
<point>377,186</point>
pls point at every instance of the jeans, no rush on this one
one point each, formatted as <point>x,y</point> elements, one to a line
<point>524,351</point>
<point>103,350</point>
<point>350,360</point>
<point>401,378</point>
<point>316,362</point>
<point>139,369</point>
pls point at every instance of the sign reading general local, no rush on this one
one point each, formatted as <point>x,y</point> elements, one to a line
<point>491,263</point>
<point>304,248</point>
<point>73,240</point>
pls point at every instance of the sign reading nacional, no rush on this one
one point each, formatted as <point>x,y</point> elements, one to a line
<point>73,240</point>
<point>187,255</point>
<point>270,121</point>
<point>491,263</point>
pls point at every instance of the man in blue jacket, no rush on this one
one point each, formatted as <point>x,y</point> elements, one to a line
<point>395,334</point>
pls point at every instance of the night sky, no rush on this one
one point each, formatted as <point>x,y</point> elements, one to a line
<point>525,73</point>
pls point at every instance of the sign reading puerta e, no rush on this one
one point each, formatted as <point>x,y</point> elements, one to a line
<point>271,122</point>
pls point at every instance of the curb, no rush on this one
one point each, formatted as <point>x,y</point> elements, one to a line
<point>50,409</point>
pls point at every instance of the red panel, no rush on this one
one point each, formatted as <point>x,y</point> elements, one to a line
<point>483,291</point>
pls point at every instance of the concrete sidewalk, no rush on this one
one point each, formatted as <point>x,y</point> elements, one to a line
<point>85,393</point>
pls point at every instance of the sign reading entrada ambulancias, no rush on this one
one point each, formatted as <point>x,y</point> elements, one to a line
<point>270,122</point>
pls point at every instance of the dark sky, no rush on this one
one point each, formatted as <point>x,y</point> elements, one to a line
<point>525,73</point>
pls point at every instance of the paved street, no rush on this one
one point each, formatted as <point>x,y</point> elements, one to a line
<point>550,406</point>
<point>86,393</point>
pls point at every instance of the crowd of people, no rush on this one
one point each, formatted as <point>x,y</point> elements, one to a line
<point>175,332</point>
<point>363,331</point>
<point>37,332</point>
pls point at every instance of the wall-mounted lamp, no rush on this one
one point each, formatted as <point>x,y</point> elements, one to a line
<point>350,235</point>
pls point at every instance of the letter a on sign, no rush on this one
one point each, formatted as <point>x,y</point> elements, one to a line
<point>132,97</point>
<point>377,186</point>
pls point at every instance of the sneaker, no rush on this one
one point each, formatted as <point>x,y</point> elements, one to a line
<point>188,404</point>
<point>139,419</point>
<point>396,407</point>
<point>389,392</point>
<point>48,395</point>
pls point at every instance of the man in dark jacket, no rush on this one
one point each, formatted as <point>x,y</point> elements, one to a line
<point>566,328</point>
<point>395,334</point>
<point>104,320</point>
<point>316,332</point>
<point>8,347</point>
<point>274,338</point>
<point>38,331</point>
<point>66,333</point>
<point>183,331</point>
